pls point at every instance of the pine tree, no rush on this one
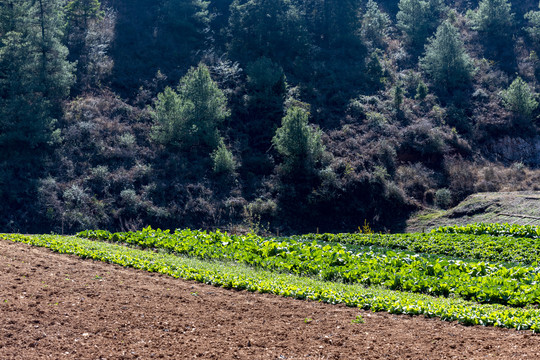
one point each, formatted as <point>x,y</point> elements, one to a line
<point>184,25</point>
<point>224,162</point>
<point>189,118</point>
<point>34,79</point>
<point>56,73</point>
<point>267,88</point>
<point>80,13</point>
<point>300,145</point>
<point>493,18</point>
<point>375,25</point>
<point>375,71</point>
<point>520,100</point>
<point>269,28</point>
<point>340,21</point>
<point>446,61</point>
<point>533,26</point>
<point>82,17</point>
<point>418,19</point>
<point>34,73</point>
<point>421,91</point>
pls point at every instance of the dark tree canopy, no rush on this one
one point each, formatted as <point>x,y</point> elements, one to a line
<point>295,113</point>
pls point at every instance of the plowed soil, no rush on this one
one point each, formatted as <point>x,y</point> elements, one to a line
<point>56,306</point>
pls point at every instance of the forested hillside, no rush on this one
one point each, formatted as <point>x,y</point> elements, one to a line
<point>283,115</point>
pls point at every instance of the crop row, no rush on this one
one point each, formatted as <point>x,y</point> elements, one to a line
<point>244,278</point>
<point>480,282</point>
<point>521,231</point>
<point>466,246</point>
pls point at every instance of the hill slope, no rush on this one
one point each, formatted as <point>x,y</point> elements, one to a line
<point>518,207</point>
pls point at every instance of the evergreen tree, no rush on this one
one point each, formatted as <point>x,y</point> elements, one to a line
<point>34,73</point>
<point>533,26</point>
<point>10,14</point>
<point>223,159</point>
<point>520,100</point>
<point>446,61</point>
<point>270,28</point>
<point>300,145</point>
<point>493,18</point>
<point>80,13</point>
<point>189,118</point>
<point>494,21</point>
<point>266,88</point>
<point>421,91</point>
<point>34,78</point>
<point>338,21</point>
<point>418,19</point>
<point>184,26</point>
<point>375,25</point>
<point>375,71</point>
<point>333,63</point>
<point>56,73</point>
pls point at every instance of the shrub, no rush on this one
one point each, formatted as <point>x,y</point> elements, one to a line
<point>421,91</point>
<point>443,198</point>
<point>223,159</point>
<point>415,180</point>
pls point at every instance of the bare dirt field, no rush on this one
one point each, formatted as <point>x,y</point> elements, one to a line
<point>56,306</point>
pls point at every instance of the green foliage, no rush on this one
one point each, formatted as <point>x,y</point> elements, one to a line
<point>189,118</point>
<point>398,97</point>
<point>265,79</point>
<point>333,23</point>
<point>56,74</point>
<point>80,12</point>
<point>486,242</point>
<point>421,91</point>
<point>185,24</point>
<point>513,230</point>
<point>358,320</point>
<point>375,24</point>
<point>520,100</point>
<point>494,18</point>
<point>242,278</point>
<point>267,88</point>
<point>169,114</point>
<point>533,26</point>
<point>271,28</point>
<point>89,32</point>
<point>446,61</point>
<point>443,198</point>
<point>35,78</point>
<point>418,19</point>
<point>223,159</point>
<point>375,71</point>
<point>300,145</point>
<point>481,282</point>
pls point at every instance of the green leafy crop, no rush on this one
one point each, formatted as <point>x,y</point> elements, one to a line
<point>478,281</point>
<point>229,275</point>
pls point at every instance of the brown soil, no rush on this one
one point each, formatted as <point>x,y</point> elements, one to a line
<point>56,306</point>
